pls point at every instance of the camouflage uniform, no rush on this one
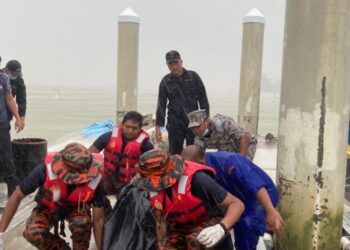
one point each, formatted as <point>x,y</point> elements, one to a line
<point>38,226</point>
<point>225,135</point>
<point>76,174</point>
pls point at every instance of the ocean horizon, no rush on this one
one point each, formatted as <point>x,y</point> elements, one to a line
<point>59,113</point>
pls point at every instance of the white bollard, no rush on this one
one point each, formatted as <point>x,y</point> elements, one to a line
<point>251,66</point>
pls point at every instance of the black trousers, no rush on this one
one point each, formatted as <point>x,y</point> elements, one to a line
<point>177,136</point>
<point>7,166</point>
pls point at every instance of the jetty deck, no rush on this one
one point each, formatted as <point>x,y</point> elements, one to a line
<point>265,157</point>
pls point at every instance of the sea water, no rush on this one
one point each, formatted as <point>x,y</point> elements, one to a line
<point>59,113</point>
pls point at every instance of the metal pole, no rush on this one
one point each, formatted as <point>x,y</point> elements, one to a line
<point>251,63</point>
<point>128,49</point>
<point>313,123</point>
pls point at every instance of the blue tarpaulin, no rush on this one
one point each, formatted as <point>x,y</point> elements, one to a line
<point>97,128</point>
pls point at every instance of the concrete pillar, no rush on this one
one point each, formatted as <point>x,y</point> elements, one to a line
<point>128,50</point>
<point>251,62</point>
<point>313,120</point>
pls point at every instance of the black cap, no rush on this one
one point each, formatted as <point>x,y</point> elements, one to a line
<point>15,68</point>
<point>172,56</point>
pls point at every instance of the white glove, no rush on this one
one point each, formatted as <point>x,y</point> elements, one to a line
<point>2,241</point>
<point>210,236</point>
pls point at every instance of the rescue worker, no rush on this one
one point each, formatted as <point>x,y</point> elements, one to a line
<point>122,149</point>
<point>181,91</point>
<point>18,88</point>
<point>186,198</point>
<point>222,133</point>
<point>243,179</point>
<point>68,187</point>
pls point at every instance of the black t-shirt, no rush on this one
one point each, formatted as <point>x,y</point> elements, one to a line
<point>102,141</point>
<point>18,89</point>
<point>37,178</point>
<point>205,188</point>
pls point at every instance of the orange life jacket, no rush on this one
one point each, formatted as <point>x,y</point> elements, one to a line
<point>54,192</point>
<point>120,166</point>
<point>183,207</point>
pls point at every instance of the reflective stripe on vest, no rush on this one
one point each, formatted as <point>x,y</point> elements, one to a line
<point>115,131</point>
<point>94,183</point>
<point>140,138</point>
<point>182,184</point>
<point>51,174</point>
<point>152,193</point>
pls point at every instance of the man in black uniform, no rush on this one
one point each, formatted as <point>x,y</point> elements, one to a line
<point>18,88</point>
<point>7,166</point>
<point>181,91</point>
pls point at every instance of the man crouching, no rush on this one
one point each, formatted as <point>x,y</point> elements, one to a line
<point>68,187</point>
<point>184,196</point>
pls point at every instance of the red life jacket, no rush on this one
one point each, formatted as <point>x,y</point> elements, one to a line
<point>120,166</point>
<point>54,192</point>
<point>183,207</point>
<point>49,157</point>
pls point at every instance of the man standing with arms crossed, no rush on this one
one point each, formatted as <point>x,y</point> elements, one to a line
<point>181,91</point>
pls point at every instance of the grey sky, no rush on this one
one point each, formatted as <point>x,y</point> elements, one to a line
<point>73,42</point>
